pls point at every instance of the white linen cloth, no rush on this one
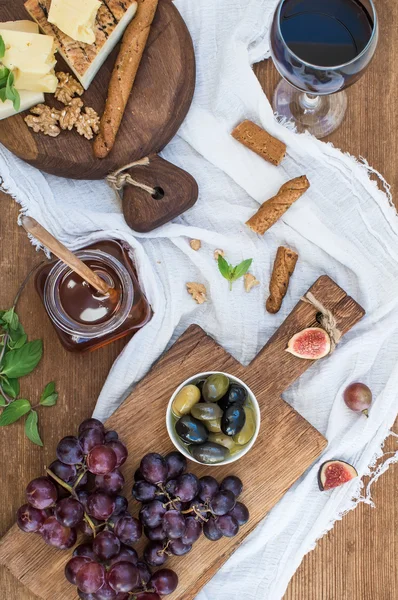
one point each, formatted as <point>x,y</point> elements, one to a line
<point>343,226</point>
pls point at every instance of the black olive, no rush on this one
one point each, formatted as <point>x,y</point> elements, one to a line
<point>233,420</point>
<point>191,430</point>
<point>236,394</point>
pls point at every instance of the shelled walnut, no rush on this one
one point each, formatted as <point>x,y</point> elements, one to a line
<point>88,123</point>
<point>70,114</point>
<point>197,291</point>
<point>250,282</point>
<point>44,119</point>
<point>67,88</point>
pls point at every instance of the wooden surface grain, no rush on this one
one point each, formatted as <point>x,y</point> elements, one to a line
<point>357,560</point>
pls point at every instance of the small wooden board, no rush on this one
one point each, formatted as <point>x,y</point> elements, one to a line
<point>160,99</point>
<point>287,444</point>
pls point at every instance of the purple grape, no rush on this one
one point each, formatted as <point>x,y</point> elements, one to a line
<point>123,577</point>
<point>69,451</point>
<point>67,473</point>
<point>105,593</point>
<point>128,529</point>
<point>84,596</point>
<point>85,528</point>
<point>187,487</point>
<point>85,550</point>
<point>90,578</point>
<point>176,464</point>
<point>111,483</point>
<point>91,424</point>
<point>240,513</point>
<point>228,526</point>
<point>178,548</point>
<point>147,596</point>
<point>145,573</point>
<point>144,491</point>
<point>41,493</point>
<point>30,519</point>
<point>154,555</point>
<point>233,484</point>
<point>223,502</point>
<point>73,567</point>
<point>120,451</point>
<point>151,515</point>
<point>126,554</point>
<point>156,534</point>
<point>193,530</point>
<point>154,468</point>
<point>173,524</point>
<point>208,488</point>
<point>106,545</point>
<point>89,438</point>
<point>83,497</point>
<point>56,535</point>
<point>121,505</point>
<point>111,436</point>
<point>100,506</point>
<point>199,508</point>
<point>101,460</point>
<point>69,512</point>
<point>211,530</point>
<point>164,581</point>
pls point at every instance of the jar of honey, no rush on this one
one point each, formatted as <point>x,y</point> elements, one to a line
<point>83,318</point>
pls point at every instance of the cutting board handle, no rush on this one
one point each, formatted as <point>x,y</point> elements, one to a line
<point>156,192</point>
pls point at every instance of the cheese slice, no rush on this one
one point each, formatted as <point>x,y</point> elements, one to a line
<point>76,18</point>
<point>31,58</point>
<point>28,99</point>
<point>28,26</point>
<point>85,60</point>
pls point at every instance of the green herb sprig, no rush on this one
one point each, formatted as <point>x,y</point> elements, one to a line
<point>8,90</point>
<point>19,357</point>
<point>232,273</point>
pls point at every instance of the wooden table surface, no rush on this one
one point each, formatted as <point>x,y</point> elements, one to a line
<point>357,560</point>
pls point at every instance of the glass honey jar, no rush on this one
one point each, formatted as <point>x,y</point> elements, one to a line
<point>83,318</point>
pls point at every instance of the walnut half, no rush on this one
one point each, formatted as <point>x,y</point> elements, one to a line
<point>44,119</point>
<point>67,88</point>
<point>250,282</point>
<point>70,114</point>
<point>88,123</point>
<point>197,291</point>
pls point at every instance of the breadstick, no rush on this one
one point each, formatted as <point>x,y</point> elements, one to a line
<point>269,212</point>
<point>284,265</point>
<point>123,76</point>
<point>260,141</point>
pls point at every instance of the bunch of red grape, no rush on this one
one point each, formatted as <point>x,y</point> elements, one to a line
<point>177,506</point>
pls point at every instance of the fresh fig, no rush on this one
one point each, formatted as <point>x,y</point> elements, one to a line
<point>311,344</point>
<point>358,397</point>
<point>334,473</point>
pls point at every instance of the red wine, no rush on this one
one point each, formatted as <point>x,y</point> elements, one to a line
<point>326,33</point>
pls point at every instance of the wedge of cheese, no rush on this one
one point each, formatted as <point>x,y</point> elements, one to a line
<point>31,58</point>
<point>28,26</point>
<point>85,60</point>
<point>76,18</point>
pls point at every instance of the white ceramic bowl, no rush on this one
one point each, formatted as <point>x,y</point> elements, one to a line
<point>171,425</point>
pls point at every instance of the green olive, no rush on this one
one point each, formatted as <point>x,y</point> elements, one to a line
<point>213,426</point>
<point>215,387</point>
<point>186,398</point>
<point>206,412</point>
<point>249,428</point>
<point>222,439</point>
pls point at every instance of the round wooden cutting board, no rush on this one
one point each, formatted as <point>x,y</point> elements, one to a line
<point>160,99</point>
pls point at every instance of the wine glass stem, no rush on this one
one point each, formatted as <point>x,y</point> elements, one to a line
<point>308,102</point>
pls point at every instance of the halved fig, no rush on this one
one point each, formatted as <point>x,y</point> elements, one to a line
<point>334,473</point>
<point>311,344</point>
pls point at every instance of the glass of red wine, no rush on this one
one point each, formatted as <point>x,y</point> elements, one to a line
<point>320,47</point>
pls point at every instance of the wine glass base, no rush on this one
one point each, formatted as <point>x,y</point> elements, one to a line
<point>319,115</point>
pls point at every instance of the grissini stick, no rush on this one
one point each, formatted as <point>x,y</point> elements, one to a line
<point>49,241</point>
<point>284,265</point>
<point>123,76</point>
<point>272,210</point>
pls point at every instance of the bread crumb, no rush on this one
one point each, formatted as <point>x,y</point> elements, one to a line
<point>250,282</point>
<point>197,291</point>
<point>195,244</point>
<point>218,253</point>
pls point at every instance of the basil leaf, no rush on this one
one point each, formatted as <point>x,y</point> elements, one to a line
<point>18,363</point>
<point>3,96</point>
<point>31,428</point>
<point>14,411</point>
<point>19,343</point>
<point>17,100</point>
<point>2,47</point>
<point>224,267</point>
<point>10,87</point>
<point>11,387</point>
<point>49,397</point>
<point>2,401</point>
<point>3,72</point>
<point>241,269</point>
<point>11,318</point>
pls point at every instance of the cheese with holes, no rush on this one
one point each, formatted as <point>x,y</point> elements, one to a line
<point>30,56</point>
<point>28,99</point>
<point>85,60</point>
<point>76,18</point>
<point>28,26</point>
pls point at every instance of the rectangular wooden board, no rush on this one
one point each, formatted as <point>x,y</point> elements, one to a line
<point>287,444</point>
